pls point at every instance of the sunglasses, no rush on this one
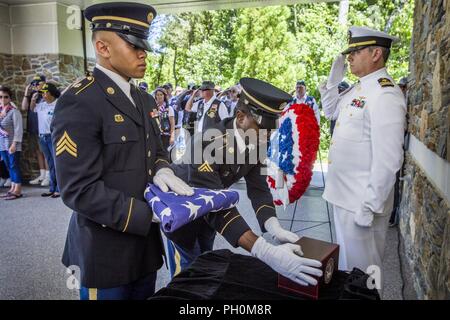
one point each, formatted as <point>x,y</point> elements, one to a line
<point>5,97</point>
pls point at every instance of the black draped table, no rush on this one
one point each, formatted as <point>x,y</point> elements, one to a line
<point>223,275</point>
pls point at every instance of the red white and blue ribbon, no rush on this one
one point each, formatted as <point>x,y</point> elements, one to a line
<point>292,152</point>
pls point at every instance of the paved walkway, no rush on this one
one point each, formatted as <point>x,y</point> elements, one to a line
<point>33,230</point>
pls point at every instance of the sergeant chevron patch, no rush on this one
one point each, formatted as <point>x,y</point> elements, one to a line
<point>65,143</point>
<point>205,167</point>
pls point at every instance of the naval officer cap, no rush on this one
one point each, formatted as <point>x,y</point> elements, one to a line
<point>362,37</point>
<point>265,101</point>
<point>131,21</point>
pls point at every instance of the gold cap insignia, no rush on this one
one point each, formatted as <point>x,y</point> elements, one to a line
<point>110,90</point>
<point>118,118</point>
<point>65,143</point>
<point>150,17</point>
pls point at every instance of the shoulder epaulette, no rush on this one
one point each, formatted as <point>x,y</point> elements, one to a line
<point>82,84</point>
<point>385,82</point>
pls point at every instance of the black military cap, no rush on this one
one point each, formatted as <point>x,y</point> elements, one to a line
<point>361,37</point>
<point>207,85</point>
<point>131,21</point>
<point>265,101</point>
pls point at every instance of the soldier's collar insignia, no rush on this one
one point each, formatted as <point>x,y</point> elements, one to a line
<point>110,90</point>
<point>205,167</point>
<point>118,118</point>
<point>385,82</point>
<point>66,144</point>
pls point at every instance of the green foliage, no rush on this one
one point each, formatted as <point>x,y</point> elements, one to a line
<point>279,44</point>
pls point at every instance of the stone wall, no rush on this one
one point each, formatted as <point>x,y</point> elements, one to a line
<point>425,226</point>
<point>16,71</point>
<point>424,210</point>
<point>429,92</point>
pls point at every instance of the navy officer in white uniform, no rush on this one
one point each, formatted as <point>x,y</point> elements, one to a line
<point>366,148</point>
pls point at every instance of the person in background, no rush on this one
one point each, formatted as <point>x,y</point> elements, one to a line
<point>33,131</point>
<point>45,110</point>
<point>11,133</point>
<point>209,110</point>
<point>231,97</point>
<point>301,96</point>
<point>341,88</point>
<point>166,118</point>
<point>143,86</point>
<point>178,91</point>
<point>188,118</point>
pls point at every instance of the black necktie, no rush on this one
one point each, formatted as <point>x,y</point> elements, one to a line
<point>136,98</point>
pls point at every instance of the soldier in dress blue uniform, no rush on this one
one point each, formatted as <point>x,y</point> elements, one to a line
<point>259,106</point>
<point>107,148</point>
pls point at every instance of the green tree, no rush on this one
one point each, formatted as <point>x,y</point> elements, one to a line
<point>265,48</point>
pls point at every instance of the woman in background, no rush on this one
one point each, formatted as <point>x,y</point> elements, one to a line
<point>11,132</point>
<point>166,118</point>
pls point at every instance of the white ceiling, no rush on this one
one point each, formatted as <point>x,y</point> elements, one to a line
<point>176,6</point>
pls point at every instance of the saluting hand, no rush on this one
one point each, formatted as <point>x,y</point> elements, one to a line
<point>337,71</point>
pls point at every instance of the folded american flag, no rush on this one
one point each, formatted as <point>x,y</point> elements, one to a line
<point>175,211</point>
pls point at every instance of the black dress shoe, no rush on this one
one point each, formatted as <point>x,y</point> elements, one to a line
<point>47,194</point>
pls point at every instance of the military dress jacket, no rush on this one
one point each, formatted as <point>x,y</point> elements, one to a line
<point>229,223</point>
<point>106,151</point>
<point>366,150</point>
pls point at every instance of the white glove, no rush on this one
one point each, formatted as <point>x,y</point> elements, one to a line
<point>364,217</point>
<point>165,179</point>
<point>155,218</point>
<point>284,260</point>
<point>274,228</point>
<point>337,71</point>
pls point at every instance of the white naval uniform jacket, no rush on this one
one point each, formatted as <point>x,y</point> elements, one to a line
<point>366,148</point>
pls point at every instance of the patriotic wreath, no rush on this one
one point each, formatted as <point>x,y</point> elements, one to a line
<point>291,154</point>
